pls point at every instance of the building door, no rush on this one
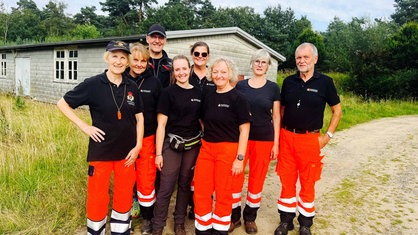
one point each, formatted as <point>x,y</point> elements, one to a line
<point>22,72</point>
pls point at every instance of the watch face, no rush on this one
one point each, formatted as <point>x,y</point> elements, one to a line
<point>240,157</point>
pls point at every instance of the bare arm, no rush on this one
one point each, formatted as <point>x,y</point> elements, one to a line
<point>276,126</point>
<point>333,124</point>
<point>93,132</point>
<point>244,131</point>
<point>159,139</point>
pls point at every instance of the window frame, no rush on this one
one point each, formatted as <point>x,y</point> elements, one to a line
<point>3,65</point>
<point>66,65</point>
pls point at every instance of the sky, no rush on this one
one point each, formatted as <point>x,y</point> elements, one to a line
<point>319,12</point>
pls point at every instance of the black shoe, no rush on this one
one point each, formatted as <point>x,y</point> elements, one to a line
<point>283,228</point>
<point>305,231</point>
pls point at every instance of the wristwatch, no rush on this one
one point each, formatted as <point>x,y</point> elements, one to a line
<point>330,134</point>
<point>240,157</point>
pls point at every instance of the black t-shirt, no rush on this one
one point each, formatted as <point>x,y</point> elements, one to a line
<point>261,103</point>
<point>182,107</point>
<point>150,89</point>
<point>120,135</point>
<point>222,114</point>
<point>304,102</point>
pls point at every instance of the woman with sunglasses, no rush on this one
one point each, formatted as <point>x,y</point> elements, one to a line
<point>198,78</point>
<point>200,55</point>
<point>263,143</point>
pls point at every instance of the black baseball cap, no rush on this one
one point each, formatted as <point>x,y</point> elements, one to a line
<point>156,28</point>
<point>118,45</point>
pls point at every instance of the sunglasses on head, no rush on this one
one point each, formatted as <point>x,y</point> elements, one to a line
<point>197,54</point>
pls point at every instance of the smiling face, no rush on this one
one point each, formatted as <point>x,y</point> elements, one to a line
<point>117,61</point>
<point>181,71</point>
<point>156,43</point>
<point>220,75</point>
<point>138,63</point>
<point>200,56</point>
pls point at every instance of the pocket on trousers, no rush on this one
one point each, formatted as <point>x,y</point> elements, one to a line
<point>315,170</point>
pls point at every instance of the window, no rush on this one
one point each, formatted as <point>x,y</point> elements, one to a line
<point>3,66</point>
<point>66,65</point>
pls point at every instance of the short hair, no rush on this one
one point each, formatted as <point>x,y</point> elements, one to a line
<point>233,71</point>
<point>107,53</point>
<point>139,47</point>
<point>199,44</point>
<point>178,57</point>
<point>261,54</point>
<point>306,44</point>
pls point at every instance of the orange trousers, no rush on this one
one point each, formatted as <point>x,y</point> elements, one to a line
<point>98,196</point>
<point>299,158</point>
<point>213,174</point>
<point>146,172</point>
<point>258,153</point>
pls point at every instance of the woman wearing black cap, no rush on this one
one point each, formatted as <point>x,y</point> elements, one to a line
<point>115,135</point>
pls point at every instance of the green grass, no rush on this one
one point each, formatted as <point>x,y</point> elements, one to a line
<point>43,169</point>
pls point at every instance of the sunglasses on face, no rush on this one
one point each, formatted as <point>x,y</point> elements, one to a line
<point>197,54</point>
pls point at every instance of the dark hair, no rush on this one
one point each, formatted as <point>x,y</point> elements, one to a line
<point>199,44</point>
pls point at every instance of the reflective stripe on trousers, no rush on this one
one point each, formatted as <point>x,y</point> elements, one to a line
<point>299,157</point>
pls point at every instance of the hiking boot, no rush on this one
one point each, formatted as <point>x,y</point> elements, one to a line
<point>179,229</point>
<point>283,228</point>
<point>234,225</point>
<point>305,230</point>
<point>250,227</point>
<point>146,227</point>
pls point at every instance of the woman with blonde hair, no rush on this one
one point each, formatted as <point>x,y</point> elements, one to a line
<point>149,88</point>
<point>226,119</point>
<point>115,140</point>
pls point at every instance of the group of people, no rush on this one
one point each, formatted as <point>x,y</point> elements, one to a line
<point>162,125</point>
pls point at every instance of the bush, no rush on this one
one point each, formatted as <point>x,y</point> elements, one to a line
<point>400,84</point>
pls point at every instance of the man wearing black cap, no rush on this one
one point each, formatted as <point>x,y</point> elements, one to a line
<point>159,60</point>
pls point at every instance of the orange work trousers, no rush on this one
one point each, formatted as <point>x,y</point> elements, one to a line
<point>146,172</point>
<point>299,158</point>
<point>98,196</point>
<point>258,153</point>
<point>213,174</point>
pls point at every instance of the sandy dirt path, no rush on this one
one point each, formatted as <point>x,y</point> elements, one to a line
<point>369,184</point>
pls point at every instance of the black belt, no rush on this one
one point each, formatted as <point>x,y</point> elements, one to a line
<point>301,131</point>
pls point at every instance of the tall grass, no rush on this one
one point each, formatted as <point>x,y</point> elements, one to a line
<point>43,169</point>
